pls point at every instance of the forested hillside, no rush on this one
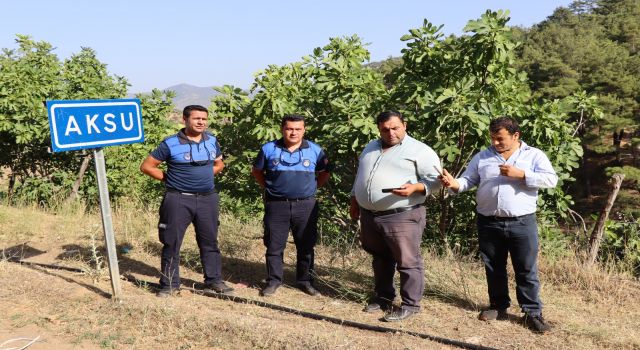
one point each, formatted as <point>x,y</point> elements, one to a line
<point>594,46</point>
<point>591,50</point>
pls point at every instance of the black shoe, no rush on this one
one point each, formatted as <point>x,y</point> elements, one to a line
<point>377,304</point>
<point>308,289</point>
<point>269,290</point>
<point>493,314</point>
<point>399,314</point>
<point>167,292</point>
<point>218,287</point>
<point>536,323</point>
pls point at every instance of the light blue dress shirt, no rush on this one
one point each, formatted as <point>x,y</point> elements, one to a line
<point>504,196</point>
<point>410,161</point>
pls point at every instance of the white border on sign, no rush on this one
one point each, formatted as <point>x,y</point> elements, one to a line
<point>94,104</point>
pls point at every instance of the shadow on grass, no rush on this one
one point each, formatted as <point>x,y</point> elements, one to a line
<point>89,287</point>
<point>334,282</point>
<point>20,252</point>
<point>451,298</point>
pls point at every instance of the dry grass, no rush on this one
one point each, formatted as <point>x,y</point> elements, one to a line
<point>594,308</point>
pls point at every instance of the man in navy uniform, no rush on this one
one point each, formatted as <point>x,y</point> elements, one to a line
<point>193,157</point>
<point>290,170</point>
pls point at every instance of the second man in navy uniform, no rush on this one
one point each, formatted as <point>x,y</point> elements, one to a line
<point>290,170</point>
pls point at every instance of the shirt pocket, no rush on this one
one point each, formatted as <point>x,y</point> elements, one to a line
<point>488,170</point>
<point>523,164</point>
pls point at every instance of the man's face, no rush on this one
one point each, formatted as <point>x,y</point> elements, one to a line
<point>502,141</point>
<point>292,132</point>
<point>197,122</point>
<point>392,131</point>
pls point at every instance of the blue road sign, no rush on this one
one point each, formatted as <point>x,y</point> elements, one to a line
<point>94,123</point>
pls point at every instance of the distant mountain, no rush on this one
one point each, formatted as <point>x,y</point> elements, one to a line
<point>190,95</point>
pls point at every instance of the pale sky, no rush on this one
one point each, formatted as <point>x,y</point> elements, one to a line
<point>157,44</point>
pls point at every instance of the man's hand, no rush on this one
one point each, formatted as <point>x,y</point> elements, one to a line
<point>258,174</point>
<point>354,209</point>
<point>448,180</point>
<point>511,171</point>
<point>408,189</point>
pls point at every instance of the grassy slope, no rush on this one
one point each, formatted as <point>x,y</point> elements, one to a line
<point>589,309</point>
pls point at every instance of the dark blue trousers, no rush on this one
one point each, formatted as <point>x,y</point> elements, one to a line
<point>177,211</point>
<point>499,237</point>
<point>301,217</point>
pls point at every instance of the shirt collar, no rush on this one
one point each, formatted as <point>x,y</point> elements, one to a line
<point>280,143</point>
<point>380,143</point>
<point>523,147</point>
<point>183,139</point>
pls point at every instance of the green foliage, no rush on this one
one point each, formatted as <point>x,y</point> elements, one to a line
<point>336,92</point>
<point>621,242</point>
<point>627,202</point>
<point>448,89</point>
<point>232,123</point>
<point>553,242</point>
<point>451,87</point>
<point>631,174</point>
<point>123,162</point>
<point>85,77</point>
<point>30,75</point>
<point>591,46</point>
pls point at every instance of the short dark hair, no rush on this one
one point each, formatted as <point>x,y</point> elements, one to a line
<point>507,123</point>
<point>186,112</point>
<point>291,118</point>
<point>386,115</point>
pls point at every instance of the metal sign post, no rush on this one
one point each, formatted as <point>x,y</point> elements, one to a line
<point>95,124</point>
<point>107,224</point>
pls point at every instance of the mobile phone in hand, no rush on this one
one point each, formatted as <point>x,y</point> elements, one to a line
<point>387,190</point>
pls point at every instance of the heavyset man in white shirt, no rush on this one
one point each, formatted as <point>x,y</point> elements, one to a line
<point>395,174</point>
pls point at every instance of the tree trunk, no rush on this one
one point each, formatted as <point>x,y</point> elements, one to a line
<point>442,225</point>
<point>598,230</point>
<point>76,185</point>
<point>12,184</point>
<point>586,173</point>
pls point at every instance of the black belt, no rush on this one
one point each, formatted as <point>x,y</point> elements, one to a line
<point>191,193</point>
<point>393,211</point>
<point>269,198</point>
<point>505,218</point>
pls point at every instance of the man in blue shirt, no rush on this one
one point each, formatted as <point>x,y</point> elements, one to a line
<point>290,170</point>
<point>193,157</point>
<point>508,175</point>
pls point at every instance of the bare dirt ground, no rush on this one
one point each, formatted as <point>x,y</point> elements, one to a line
<point>72,310</point>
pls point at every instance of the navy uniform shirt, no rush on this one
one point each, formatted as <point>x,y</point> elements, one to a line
<point>291,174</point>
<point>189,164</point>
